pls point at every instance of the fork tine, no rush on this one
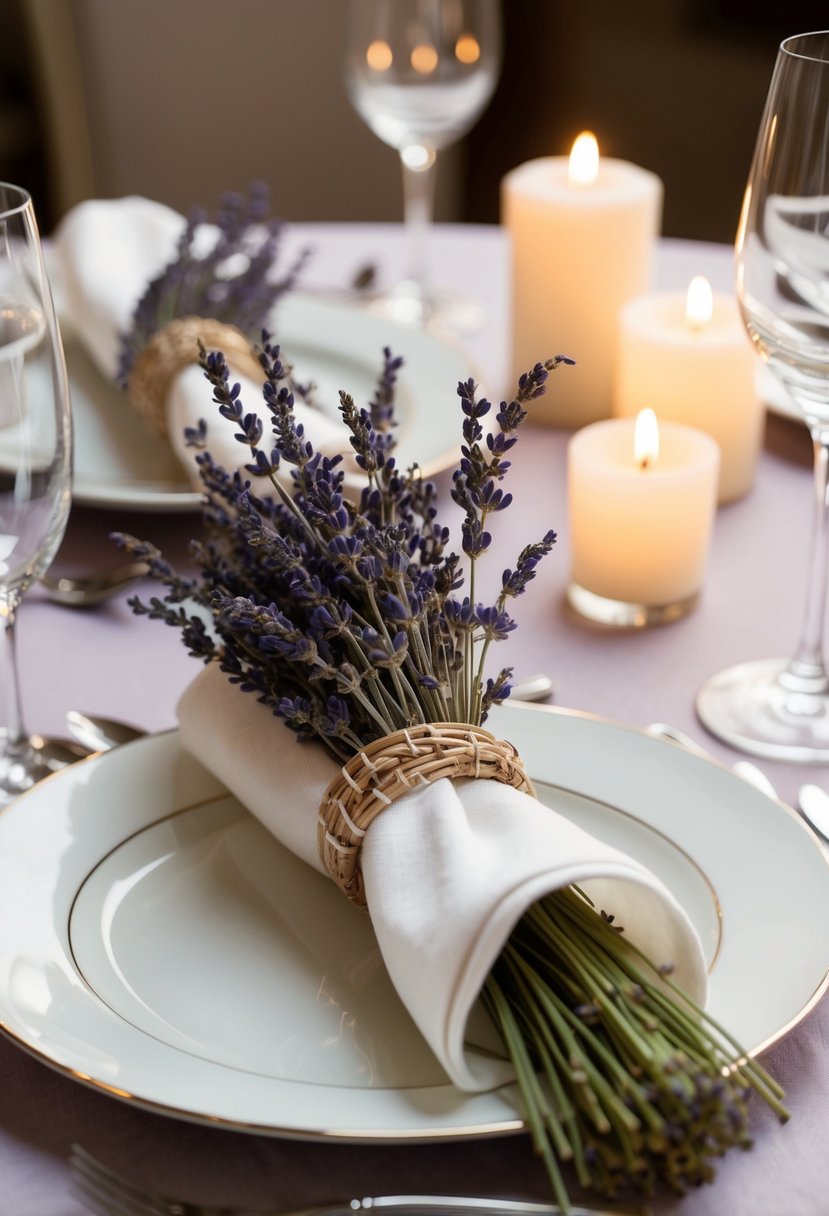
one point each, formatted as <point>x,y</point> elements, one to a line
<point>112,1195</point>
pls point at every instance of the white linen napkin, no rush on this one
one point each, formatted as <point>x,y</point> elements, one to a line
<point>448,869</point>
<point>107,252</point>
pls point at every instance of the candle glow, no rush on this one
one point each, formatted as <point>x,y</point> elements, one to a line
<point>467,49</point>
<point>646,439</point>
<point>699,303</point>
<point>424,58</point>
<point>583,168</point>
<point>379,57</point>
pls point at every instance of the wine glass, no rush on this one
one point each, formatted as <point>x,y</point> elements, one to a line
<point>419,73</point>
<point>779,708</point>
<point>35,462</point>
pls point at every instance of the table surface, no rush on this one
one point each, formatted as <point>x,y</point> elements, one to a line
<point>106,661</point>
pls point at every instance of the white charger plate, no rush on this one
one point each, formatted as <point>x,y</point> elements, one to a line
<point>119,463</point>
<point>158,944</point>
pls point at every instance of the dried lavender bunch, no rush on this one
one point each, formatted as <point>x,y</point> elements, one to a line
<point>352,619</point>
<point>341,616</point>
<point>233,281</point>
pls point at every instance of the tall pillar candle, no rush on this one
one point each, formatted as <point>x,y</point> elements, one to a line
<point>641,511</point>
<point>687,357</point>
<point>582,232</point>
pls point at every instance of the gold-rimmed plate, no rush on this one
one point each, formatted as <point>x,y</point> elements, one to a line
<point>157,943</point>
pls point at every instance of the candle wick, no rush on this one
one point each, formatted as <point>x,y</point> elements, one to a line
<point>644,463</point>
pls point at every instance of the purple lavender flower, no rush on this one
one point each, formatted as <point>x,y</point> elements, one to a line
<point>236,281</point>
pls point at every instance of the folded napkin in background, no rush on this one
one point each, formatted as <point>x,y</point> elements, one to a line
<point>448,870</point>
<point>107,252</point>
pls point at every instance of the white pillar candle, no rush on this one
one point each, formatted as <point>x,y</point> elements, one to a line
<point>688,358</point>
<point>582,232</point>
<point>640,521</point>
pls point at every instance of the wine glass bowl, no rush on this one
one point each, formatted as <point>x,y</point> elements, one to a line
<point>783,236</point>
<point>419,73</point>
<point>779,708</point>
<point>424,83</point>
<point>35,462</point>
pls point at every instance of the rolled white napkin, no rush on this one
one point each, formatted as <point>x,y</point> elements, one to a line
<point>448,869</point>
<point>107,252</point>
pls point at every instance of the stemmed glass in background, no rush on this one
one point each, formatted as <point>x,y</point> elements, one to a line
<point>419,73</point>
<point>35,461</point>
<point>776,707</point>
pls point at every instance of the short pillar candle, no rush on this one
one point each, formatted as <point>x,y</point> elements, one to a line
<point>686,355</point>
<point>642,502</point>
<point>582,233</point>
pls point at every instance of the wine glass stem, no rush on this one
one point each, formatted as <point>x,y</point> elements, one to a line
<point>17,740</point>
<point>807,671</point>
<point>418,206</point>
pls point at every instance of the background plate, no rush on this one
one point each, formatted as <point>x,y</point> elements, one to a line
<point>119,463</point>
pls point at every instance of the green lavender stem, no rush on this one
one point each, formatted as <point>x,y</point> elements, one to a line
<point>634,1083</point>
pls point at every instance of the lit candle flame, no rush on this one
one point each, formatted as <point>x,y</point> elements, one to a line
<point>646,439</point>
<point>467,49</point>
<point>699,303</point>
<point>424,58</point>
<point>584,160</point>
<point>379,57</point>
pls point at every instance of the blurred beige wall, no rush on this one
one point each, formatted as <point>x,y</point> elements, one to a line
<point>184,99</point>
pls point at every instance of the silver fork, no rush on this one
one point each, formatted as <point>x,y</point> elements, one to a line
<point>108,1194</point>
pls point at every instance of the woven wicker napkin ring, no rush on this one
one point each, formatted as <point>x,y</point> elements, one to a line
<point>174,347</point>
<point>395,765</point>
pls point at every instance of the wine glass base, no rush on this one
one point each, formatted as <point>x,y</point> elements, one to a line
<point>29,765</point>
<point>410,304</point>
<point>750,708</point>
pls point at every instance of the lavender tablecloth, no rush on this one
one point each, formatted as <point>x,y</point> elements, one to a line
<point>106,661</point>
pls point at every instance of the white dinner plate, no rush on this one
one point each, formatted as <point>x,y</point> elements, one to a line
<point>158,944</point>
<point>119,463</point>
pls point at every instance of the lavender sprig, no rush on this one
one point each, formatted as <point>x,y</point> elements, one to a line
<point>235,280</point>
<point>474,488</point>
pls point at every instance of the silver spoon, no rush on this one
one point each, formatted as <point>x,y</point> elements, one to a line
<point>33,759</point>
<point>54,753</point>
<point>662,730</point>
<point>90,589</point>
<point>814,806</point>
<point>100,734</point>
<point>532,688</point>
<point>754,776</point>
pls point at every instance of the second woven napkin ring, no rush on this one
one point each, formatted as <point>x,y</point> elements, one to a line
<point>395,765</point>
<point>174,347</point>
